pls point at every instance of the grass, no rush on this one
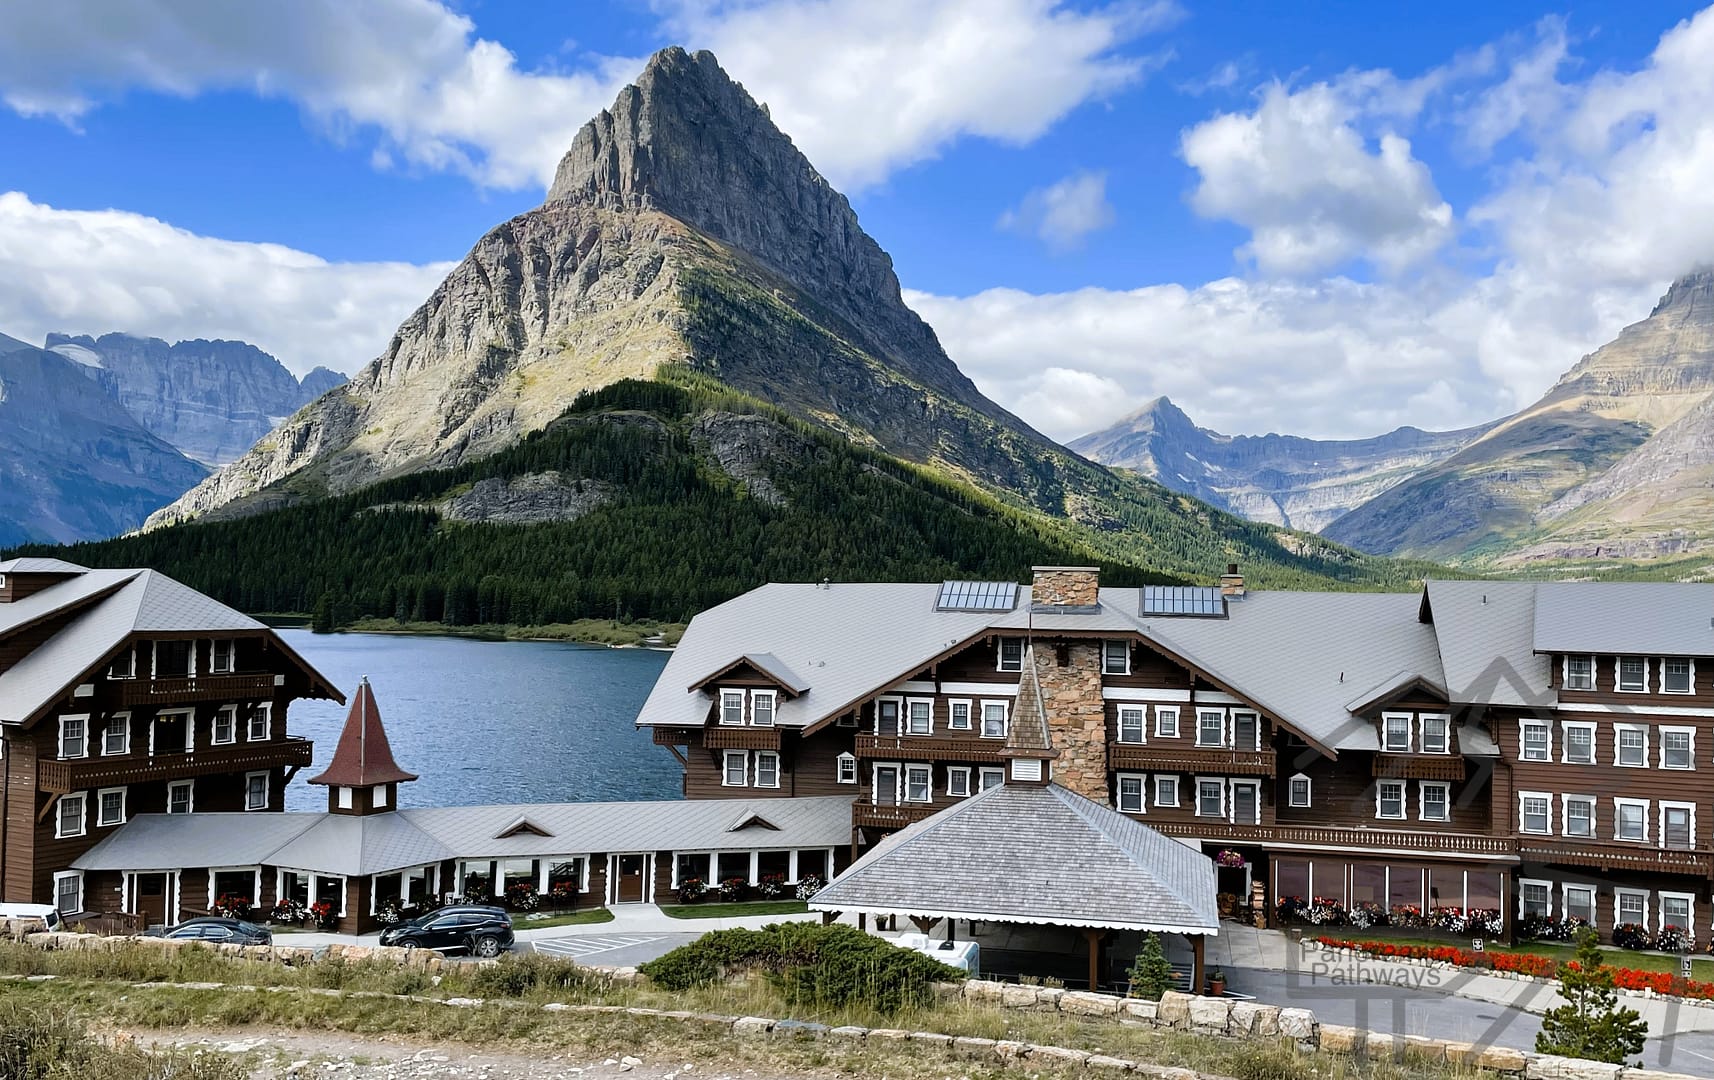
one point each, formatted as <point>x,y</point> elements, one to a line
<point>575,918</point>
<point>734,911</point>
<point>590,631</point>
<point>1614,957</point>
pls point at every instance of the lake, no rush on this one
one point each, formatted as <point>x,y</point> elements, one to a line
<point>492,721</point>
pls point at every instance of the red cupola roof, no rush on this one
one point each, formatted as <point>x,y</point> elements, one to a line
<point>363,758</point>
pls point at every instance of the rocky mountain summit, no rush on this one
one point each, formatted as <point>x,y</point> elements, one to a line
<point>1279,479</point>
<point>211,399</point>
<point>74,465</point>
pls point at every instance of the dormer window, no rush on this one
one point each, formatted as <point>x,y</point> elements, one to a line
<point>1675,676</point>
<point>1580,673</point>
<point>732,707</point>
<point>762,708</point>
<point>1396,733</point>
<point>1435,736</point>
<point>222,655</point>
<point>123,666</point>
<point>1011,654</point>
<point>1633,674</point>
<point>1115,658</point>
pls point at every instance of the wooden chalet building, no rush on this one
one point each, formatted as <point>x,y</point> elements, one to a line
<point>1531,749</point>
<point>123,692</point>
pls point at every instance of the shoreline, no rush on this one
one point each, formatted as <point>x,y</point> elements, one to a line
<point>605,633</point>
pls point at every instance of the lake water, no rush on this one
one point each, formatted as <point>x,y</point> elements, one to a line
<point>492,721</point>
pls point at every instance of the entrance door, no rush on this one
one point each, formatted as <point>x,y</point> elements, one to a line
<point>886,785</point>
<point>631,868</point>
<point>1246,804</point>
<point>152,899</point>
<point>1245,733</point>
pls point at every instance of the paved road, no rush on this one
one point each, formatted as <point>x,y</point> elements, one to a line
<point>610,950</point>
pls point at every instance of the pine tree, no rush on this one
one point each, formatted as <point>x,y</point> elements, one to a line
<point>1591,1024</point>
<point>1151,974</point>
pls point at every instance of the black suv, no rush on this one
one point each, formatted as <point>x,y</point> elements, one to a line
<point>481,931</point>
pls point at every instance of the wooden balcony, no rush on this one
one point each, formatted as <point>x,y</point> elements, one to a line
<point>1189,759</point>
<point>667,736</point>
<point>741,738</point>
<point>1419,766</point>
<point>183,691</point>
<point>1428,840</point>
<point>929,748</point>
<point>1599,856</point>
<point>871,815</point>
<point>63,777</point>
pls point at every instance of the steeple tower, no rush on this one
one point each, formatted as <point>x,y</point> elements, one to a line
<point>1029,751</point>
<point>363,777</point>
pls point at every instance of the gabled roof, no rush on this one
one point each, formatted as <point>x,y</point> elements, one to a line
<point>29,565</point>
<point>1648,618</point>
<point>363,757</point>
<point>520,826</point>
<point>355,846</point>
<point>766,663</point>
<point>1033,854</point>
<point>1484,632</point>
<point>1394,687</point>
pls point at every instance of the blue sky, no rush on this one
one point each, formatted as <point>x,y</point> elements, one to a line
<point>1327,218</point>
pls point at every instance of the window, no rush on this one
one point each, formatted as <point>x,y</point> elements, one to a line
<point>1580,673</point>
<point>1579,816</point>
<point>1630,907</point>
<point>1534,741</point>
<point>1166,791</point>
<point>1011,654</point>
<point>110,806</point>
<point>1675,911</point>
<point>226,724</point>
<point>1130,793</point>
<point>1580,902</point>
<point>1535,898</point>
<point>847,769</point>
<point>993,719</point>
<point>1632,742</point>
<point>174,659</point>
<point>1298,790</point>
<point>1434,800</point>
<point>735,769</point>
<point>992,778</point>
<point>1210,798</point>
<point>1211,728</point>
<point>1246,802</point>
<point>256,791</point>
<point>221,656</point>
<point>958,715</point>
<point>123,666</point>
<point>1677,825</point>
<point>116,737</point>
<point>958,781</point>
<point>1675,676</point>
<point>1130,723</point>
<point>1579,748</point>
<point>919,716</point>
<point>762,708</point>
<point>1390,799</point>
<point>261,723</point>
<point>1436,737</point>
<point>1166,722</point>
<point>68,816</point>
<point>1396,733</point>
<point>1115,658</point>
<point>887,716</point>
<point>180,796</point>
<point>1630,819</point>
<point>1675,748</point>
<point>1534,812</point>
<point>1633,674</point>
<point>731,707</point>
<point>767,769</point>
<point>378,797</point>
<point>68,892</point>
<point>917,783</point>
<point>74,736</point>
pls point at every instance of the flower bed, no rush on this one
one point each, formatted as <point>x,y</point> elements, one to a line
<point>1529,964</point>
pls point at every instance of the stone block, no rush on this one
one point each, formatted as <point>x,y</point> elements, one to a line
<point>1165,1072</point>
<point>1297,1024</point>
<point>357,953</point>
<point>1138,1009</point>
<point>1017,996</point>
<point>752,1025</point>
<point>895,1034</point>
<point>972,1046</point>
<point>984,990</point>
<point>933,1038</point>
<point>797,1029</point>
<point>1267,1021</point>
<point>1420,1048</point>
<point>1550,1067</point>
<point>848,1031</point>
<point>1339,1039</point>
<point>1049,996</point>
<point>1458,1053</point>
<point>1379,1045</point>
<point>1175,1008</point>
<point>1061,1054</point>
<point>1110,1064</point>
<point>1084,1003</point>
<point>1210,1014</point>
<point>1010,1049</point>
<point>1501,1059</point>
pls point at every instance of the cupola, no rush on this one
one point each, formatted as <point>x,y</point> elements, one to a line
<point>363,777</point>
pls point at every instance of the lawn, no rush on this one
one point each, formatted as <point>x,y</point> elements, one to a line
<point>734,911</point>
<point>575,918</point>
<point>1701,968</point>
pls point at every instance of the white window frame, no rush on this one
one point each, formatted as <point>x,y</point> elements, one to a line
<point>960,773</point>
<point>231,712</point>
<point>726,768</point>
<point>910,715</point>
<point>1568,726</point>
<point>1619,896</point>
<point>1165,778</point>
<point>998,775</point>
<point>1140,715</point>
<point>267,789</point>
<point>898,705</point>
<point>1619,750</point>
<point>1106,655</point>
<point>81,799</point>
<point>772,697</point>
<point>1005,717</point>
<point>725,704</point>
<point>378,797</point>
<point>155,660</point>
<point>1387,719</point>
<point>101,794</point>
<point>1690,686</point>
<point>1445,720</point>
<point>1547,817</point>
<point>129,652</point>
<point>1232,736</point>
<point>1308,790</point>
<point>214,667</point>
<point>1232,787</point>
<point>1566,802</point>
<point>190,795</point>
<point>1422,789</point>
<point>83,750</point>
<point>1689,807</point>
<point>762,755</point>
<point>1162,713</point>
<point>1142,783</point>
<point>265,711</point>
<point>875,768</point>
<point>1525,884</point>
<point>189,727</point>
<point>1380,801</point>
<point>1565,673</point>
<point>344,797</point>
<point>1689,899</point>
<point>120,722</point>
<point>1204,714</point>
<point>952,708</point>
<point>845,769</point>
<point>927,772</point>
<point>1594,906</point>
<point>1220,781</point>
<point>1690,751</point>
<point>1619,806</point>
<point>1619,675</point>
<point>1000,662</point>
<point>1524,726</point>
<point>68,875</point>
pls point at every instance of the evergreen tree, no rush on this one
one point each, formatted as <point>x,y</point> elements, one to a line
<point>1591,1024</point>
<point>324,621</point>
<point>1151,974</point>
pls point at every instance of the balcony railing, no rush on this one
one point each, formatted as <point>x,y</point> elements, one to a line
<point>1418,766</point>
<point>741,738</point>
<point>1598,856</point>
<point>178,691</point>
<point>63,777</point>
<point>1331,837</point>
<point>929,748</point>
<point>1189,759</point>
<point>873,815</point>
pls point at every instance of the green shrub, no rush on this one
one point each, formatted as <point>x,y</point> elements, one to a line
<point>1151,973</point>
<point>37,1045</point>
<point>815,965</point>
<point>516,976</point>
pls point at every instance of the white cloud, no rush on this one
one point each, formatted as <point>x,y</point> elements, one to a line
<point>86,271</point>
<point>1063,214</point>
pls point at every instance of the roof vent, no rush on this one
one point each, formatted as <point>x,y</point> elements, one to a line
<point>977,596</point>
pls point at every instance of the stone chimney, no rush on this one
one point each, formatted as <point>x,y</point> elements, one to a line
<point>1232,583</point>
<point>1066,587</point>
<point>1068,673</point>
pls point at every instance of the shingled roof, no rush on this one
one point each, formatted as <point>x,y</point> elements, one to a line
<point>363,757</point>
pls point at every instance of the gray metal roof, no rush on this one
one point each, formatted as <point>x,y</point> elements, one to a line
<point>176,841</point>
<point>1651,618</point>
<point>1033,854</point>
<point>59,596</point>
<point>36,565</point>
<point>357,846</point>
<point>1484,631</point>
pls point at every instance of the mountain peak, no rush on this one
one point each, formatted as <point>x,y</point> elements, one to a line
<point>1694,292</point>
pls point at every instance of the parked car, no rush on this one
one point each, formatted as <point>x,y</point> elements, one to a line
<point>217,931</point>
<point>480,931</point>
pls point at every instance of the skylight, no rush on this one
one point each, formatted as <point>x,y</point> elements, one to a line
<point>1202,600</point>
<point>977,596</point>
